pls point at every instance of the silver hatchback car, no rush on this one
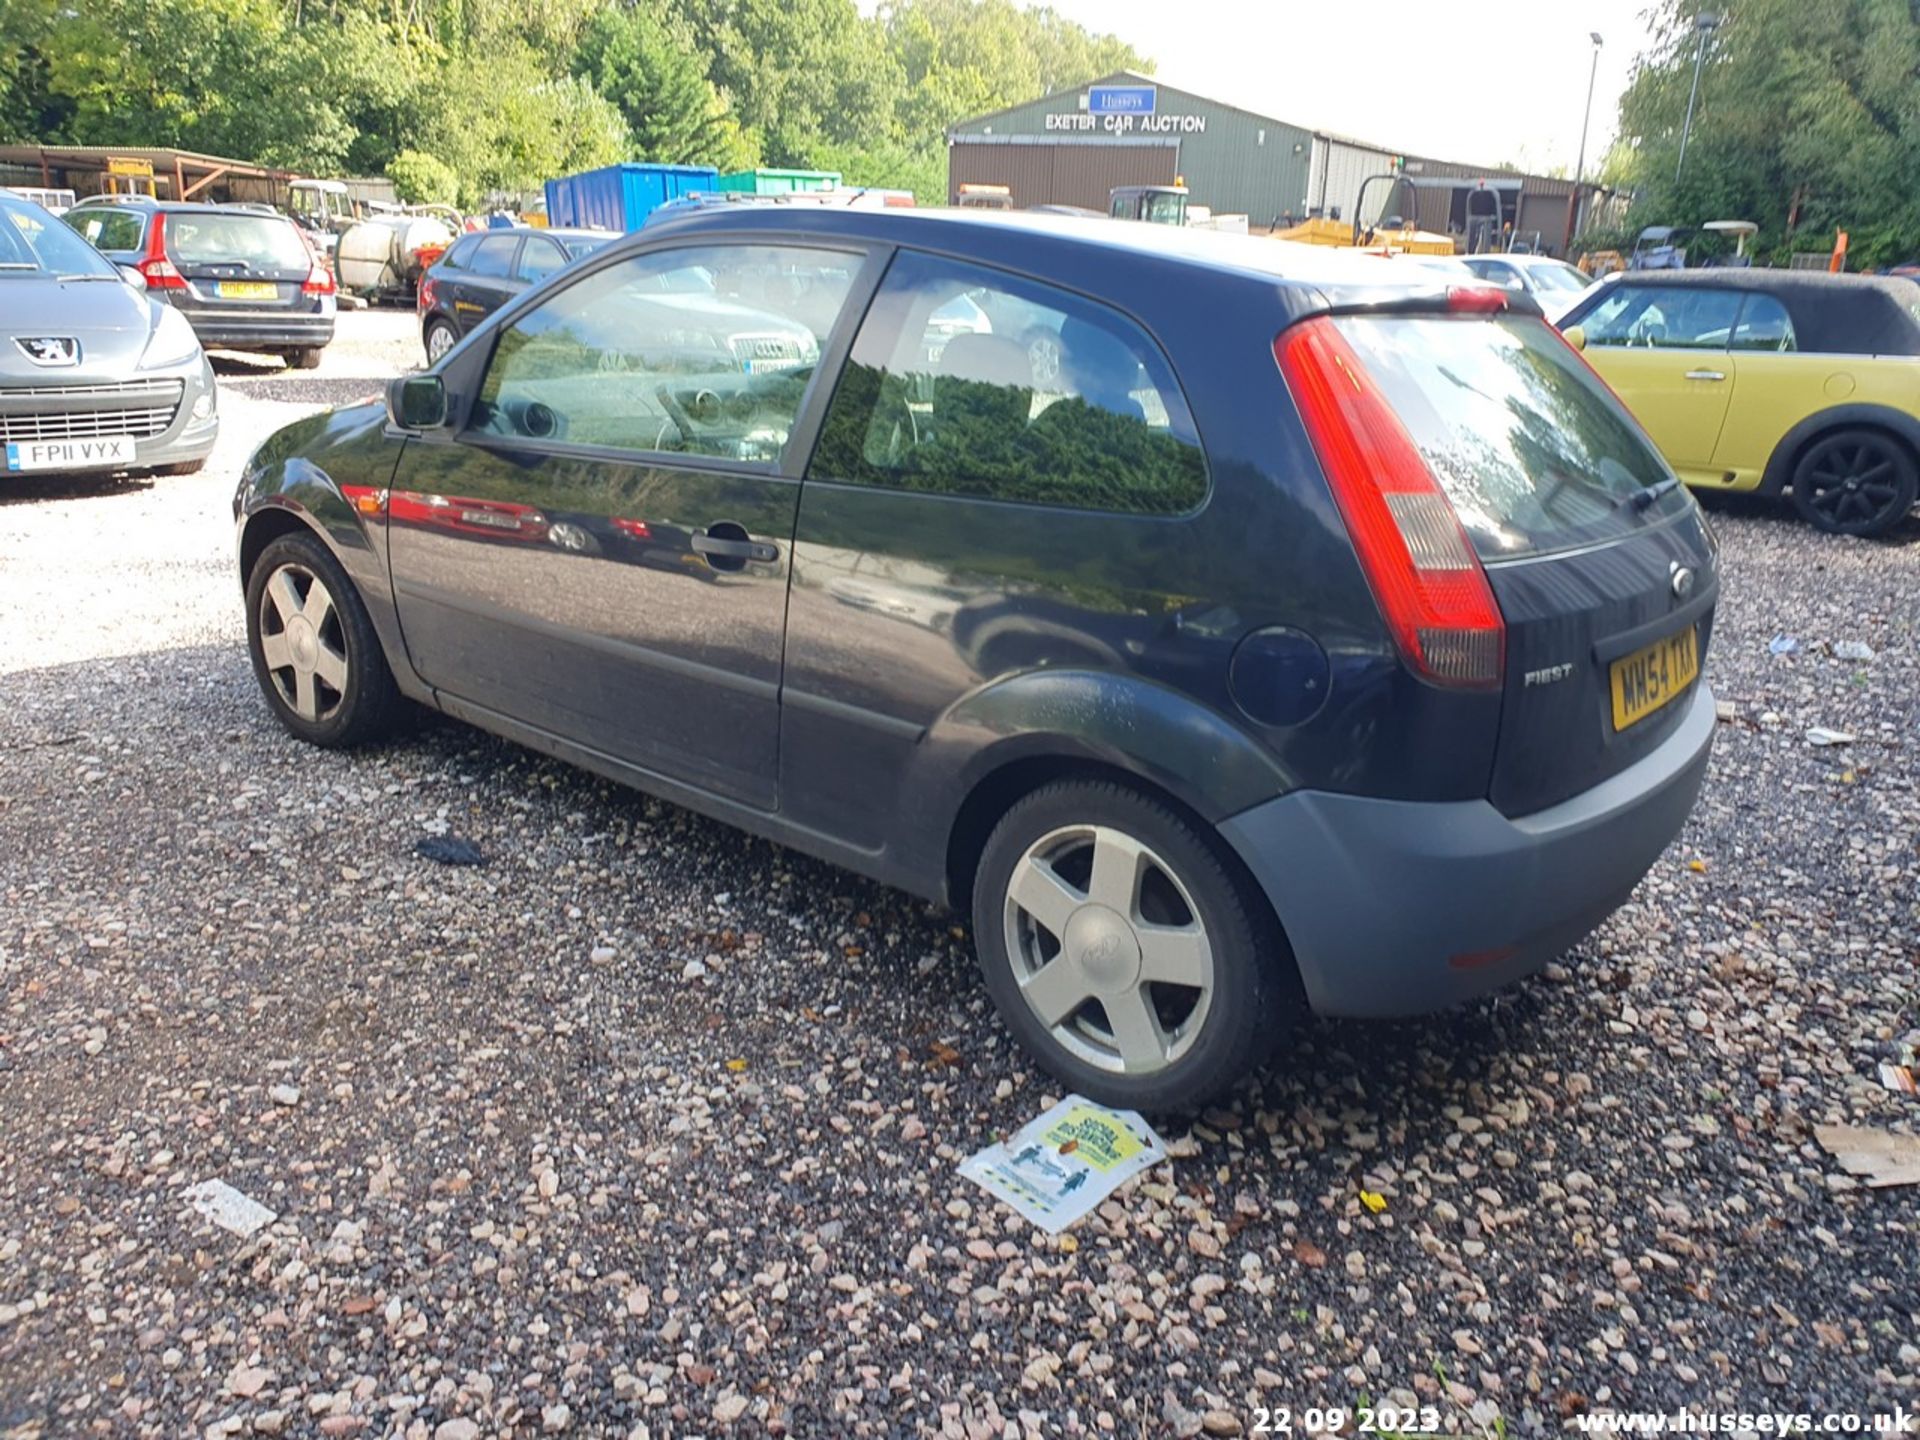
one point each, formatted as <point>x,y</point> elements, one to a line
<point>94,374</point>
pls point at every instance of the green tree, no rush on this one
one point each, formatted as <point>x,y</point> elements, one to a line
<point>638,58</point>
<point>422,179</point>
<point>1808,121</point>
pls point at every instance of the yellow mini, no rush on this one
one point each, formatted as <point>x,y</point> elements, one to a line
<point>1776,381</point>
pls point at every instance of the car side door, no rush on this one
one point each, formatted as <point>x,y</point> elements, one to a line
<point>486,283</point>
<point>1663,348</point>
<point>1776,386</point>
<point>597,548</point>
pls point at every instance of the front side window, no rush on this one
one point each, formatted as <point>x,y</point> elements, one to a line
<point>1664,317</point>
<point>34,245</point>
<point>702,350</point>
<point>967,381</point>
<point>1764,325</point>
<point>105,229</point>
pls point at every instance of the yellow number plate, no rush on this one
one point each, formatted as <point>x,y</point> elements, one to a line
<point>1649,678</point>
<point>247,290</point>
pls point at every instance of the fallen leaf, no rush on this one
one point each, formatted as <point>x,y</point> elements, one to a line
<point>944,1054</point>
<point>1375,1203</point>
<point>1698,867</point>
<point>1069,1147</point>
<point>736,1065</point>
<point>1309,1254</point>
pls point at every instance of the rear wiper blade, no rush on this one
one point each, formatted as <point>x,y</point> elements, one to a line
<point>1643,500</point>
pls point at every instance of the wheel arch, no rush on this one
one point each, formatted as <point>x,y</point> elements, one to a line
<point>1898,425</point>
<point>1049,725</point>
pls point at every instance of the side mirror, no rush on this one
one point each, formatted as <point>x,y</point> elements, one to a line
<point>1575,336</point>
<point>417,402</point>
<point>132,276</point>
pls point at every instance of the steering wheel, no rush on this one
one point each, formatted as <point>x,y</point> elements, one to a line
<point>676,412</point>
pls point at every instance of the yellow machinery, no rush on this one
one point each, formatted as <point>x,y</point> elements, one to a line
<point>1389,235</point>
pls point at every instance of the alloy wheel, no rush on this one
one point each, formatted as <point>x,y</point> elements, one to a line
<point>1108,949</point>
<point>439,342</point>
<point>1849,481</point>
<point>303,643</point>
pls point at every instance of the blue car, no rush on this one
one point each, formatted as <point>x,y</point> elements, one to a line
<point>1230,631</point>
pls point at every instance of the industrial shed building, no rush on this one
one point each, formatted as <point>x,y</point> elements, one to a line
<point>1074,146</point>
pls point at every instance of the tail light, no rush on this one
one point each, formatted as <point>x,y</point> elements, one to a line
<point>1421,567</point>
<point>424,301</point>
<point>319,280</point>
<point>154,263</point>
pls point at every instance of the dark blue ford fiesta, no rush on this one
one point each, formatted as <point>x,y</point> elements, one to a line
<point>1234,629</point>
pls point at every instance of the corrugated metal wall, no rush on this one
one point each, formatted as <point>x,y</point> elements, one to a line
<point>1339,169</point>
<point>1232,160</point>
<point>1040,171</point>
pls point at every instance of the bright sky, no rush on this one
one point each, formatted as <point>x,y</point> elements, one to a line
<point>1485,85</point>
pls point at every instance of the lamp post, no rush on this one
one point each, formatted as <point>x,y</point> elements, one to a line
<point>1703,24</point>
<point>1580,165</point>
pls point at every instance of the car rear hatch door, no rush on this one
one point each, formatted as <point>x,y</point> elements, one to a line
<point>239,262</point>
<point>1600,564</point>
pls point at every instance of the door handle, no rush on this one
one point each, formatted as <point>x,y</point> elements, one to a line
<point>1706,375</point>
<point>727,547</point>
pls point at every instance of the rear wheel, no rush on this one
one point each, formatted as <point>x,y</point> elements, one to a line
<point>1855,482</point>
<point>1122,950</point>
<point>440,338</point>
<point>306,358</point>
<point>314,649</point>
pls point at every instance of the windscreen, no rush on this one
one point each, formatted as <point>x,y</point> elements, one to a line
<point>257,241</point>
<point>1534,452</point>
<point>35,245</point>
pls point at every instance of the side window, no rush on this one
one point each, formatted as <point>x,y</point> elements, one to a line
<point>1664,317</point>
<point>967,381</point>
<point>703,350</point>
<point>1764,326</point>
<point>493,256</point>
<point>460,255</point>
<point>539,258</point>
<point>106,229</point>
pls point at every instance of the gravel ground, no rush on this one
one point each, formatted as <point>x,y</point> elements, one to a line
<point>645,1129</point>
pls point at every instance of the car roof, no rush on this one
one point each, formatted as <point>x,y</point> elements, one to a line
<point>140,204</point>
<point>1837,314</point>
<point>1059,245</point>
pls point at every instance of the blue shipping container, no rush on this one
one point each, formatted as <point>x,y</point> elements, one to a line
<point>620,197</point>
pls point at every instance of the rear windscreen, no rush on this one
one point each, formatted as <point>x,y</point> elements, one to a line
<point>258,241</point>
<point>1533,451</point>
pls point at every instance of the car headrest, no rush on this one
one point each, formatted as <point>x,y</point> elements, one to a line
<point>988,359</point>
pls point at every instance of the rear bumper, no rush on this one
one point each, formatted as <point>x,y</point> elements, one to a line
<point>1400,908</point>
<point>263,330</point>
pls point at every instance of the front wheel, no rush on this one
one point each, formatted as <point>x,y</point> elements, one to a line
<point>1122,949</point>
<point>315,653</point>
<point>305,358</point>
<point>1855,482</point>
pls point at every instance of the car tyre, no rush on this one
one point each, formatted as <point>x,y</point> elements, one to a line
<point>315,652</point>
<point>439,339</point>
<point>305,358</point>
<point>182,467</point>
<point>1157,1001</point>
<point>1855,482</point>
